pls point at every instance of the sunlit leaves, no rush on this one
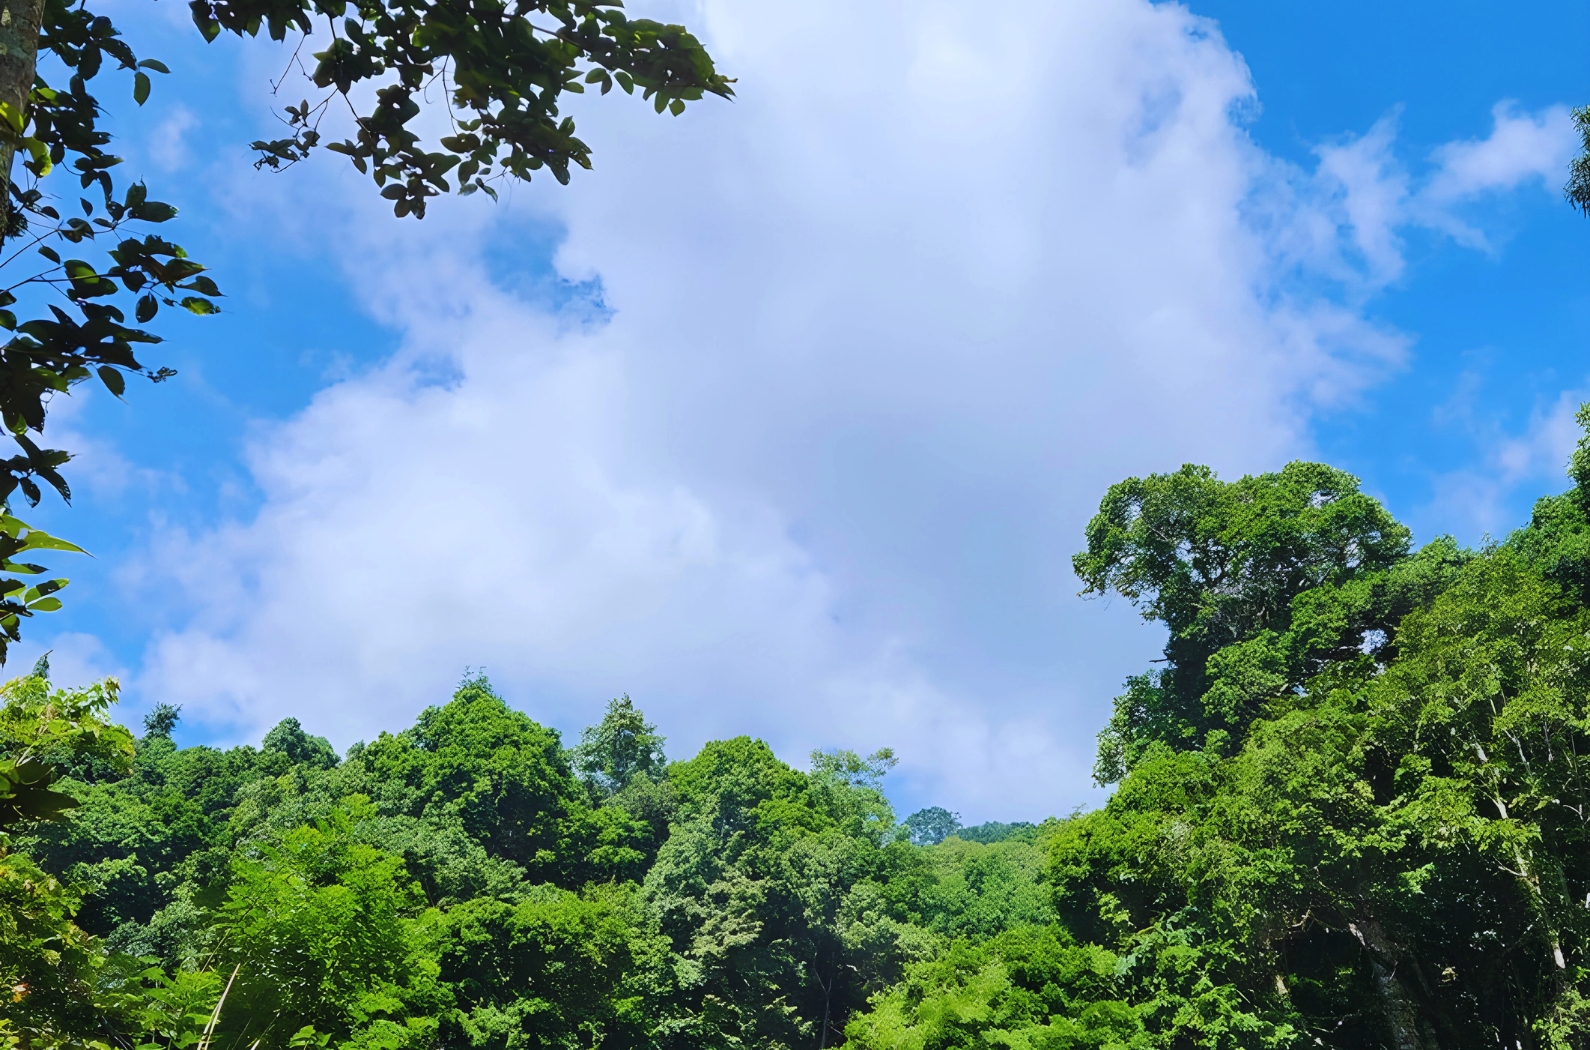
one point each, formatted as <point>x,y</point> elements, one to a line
<point>18,600</point>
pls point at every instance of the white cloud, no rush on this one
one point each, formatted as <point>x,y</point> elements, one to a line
<point>168,143</point>
<point>1373,197</point>
<point>1363,194</point>
<point>883,330</point>
<point>1521,147</point>
<point>1478,496</point>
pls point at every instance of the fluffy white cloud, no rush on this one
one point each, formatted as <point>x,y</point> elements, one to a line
<point>1369,196</point>
<point>1521,147</point>
<point>881,332</point>
<point>1476,498</point>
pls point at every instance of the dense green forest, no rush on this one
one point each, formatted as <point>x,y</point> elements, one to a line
<point>1348,811</point>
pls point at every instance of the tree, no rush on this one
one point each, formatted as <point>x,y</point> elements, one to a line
<point>320,929</point>
<point>50,965</point>
<point>770,891</point>
<point>289,738</point>
<point>998,831</point>
<point>1220,564</point>
<point>501,773</point>
<point>43,733</point>
<point>1387,844</point>
<point>619,748</point>
<point>927,827</point>
<point>1029,987</point>
<point>499,72</point>
<point>161,720</point>
<point>556,969</point>
<point>454,885</point>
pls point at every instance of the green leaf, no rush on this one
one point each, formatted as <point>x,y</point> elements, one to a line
<point>141,88</point>
<point>40,154</point>
<point>50,254</point>
<point>203,307</point>
<point>146,309</point>
<point>114,381</point>
<point>203,285</point>
<point>205,19</point>
<point>45,605</point>
<point>676,107</point>
<point>43,590</point>
<point>36,539</point>
<point>154,64</point>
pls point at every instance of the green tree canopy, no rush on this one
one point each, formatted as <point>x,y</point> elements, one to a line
<point>932,825</point>
<point>502,774</point>
<point>619,748</point>
<point>1223,565</point>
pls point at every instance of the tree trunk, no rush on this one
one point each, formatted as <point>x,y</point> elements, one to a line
<point>1401,1012</point>
<point>20,21</point>
<point>828,998</point>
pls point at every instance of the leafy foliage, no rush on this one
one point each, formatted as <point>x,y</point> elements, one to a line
<point>1380,842</point>
<point>927,827</point>
<point>316,925</point>
<point>1028,987</point>
<point>1221,565</point>
<point>504,73</point>
<point>44,732</point>
<point>1578,188</point>
<point>456,884</point>
<point>619,748</point>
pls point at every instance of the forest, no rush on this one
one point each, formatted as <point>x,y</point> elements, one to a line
<point>1348,811</point>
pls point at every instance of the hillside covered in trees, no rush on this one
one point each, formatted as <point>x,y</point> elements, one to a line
<point>1349,811</point>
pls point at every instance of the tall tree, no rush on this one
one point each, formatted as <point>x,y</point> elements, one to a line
<point>1221,564</point>
<point>619,748</point>
<point>1384,842</point>
<point>927,827</point>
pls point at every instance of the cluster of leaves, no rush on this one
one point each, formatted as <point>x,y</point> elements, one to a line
<point>505,75</point>
<point>1578,188</point>
<point>72,317</point>
<point>17,598</point>
<point>45,733</point>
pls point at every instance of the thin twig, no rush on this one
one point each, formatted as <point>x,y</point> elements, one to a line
<point>215,1015</point>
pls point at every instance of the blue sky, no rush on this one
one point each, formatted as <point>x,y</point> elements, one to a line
<point>1500,334</point>
<point>786,419</point>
